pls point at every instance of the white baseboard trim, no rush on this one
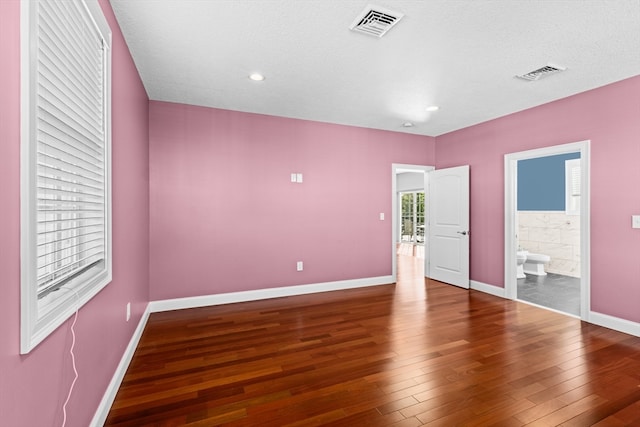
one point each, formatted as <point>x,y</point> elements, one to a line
<point>259,294</point>
<point>488,289</point>
<point>615,323</point>
<point>102,412</point>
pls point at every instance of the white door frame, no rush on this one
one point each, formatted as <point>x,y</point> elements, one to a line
<point>395,169</point>
<point>510,223</point>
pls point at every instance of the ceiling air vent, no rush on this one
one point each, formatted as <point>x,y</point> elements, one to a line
<point>542,72</point>
<point>375,21</point>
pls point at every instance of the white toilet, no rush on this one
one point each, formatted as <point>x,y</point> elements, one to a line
<point>521,257</point>
<point>534,264</point>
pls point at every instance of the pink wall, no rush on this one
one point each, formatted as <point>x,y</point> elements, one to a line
<point>33,387</point>
<point>608,116</point>
<point>225,216</point>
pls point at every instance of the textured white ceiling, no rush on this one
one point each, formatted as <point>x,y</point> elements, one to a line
<point>461,55</point>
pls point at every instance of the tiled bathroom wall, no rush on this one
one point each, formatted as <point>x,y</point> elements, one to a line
<point>555,234</point>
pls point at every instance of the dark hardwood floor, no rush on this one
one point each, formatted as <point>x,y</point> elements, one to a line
<point>417,353</point>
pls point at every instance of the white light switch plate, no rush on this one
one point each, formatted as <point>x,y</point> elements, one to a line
<point>381,216</point>
<point>635,221</point>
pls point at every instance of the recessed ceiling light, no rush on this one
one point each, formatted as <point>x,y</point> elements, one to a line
<point>256,77</point>
<point>433,108</point>
<point>407,124</point>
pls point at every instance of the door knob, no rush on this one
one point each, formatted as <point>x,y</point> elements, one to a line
<point>464,233</point>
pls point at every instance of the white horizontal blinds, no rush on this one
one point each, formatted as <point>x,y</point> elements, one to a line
<point>572,187</point>
<point>575,186</point>
<point>70,129</point>
<point>575,179</point>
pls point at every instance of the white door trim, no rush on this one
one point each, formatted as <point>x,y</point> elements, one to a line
<point>510,204</point>
<point>395,169</point>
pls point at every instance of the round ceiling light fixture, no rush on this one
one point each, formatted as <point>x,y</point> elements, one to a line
<point>432,108</point>
<point>256,77</point>
<point>407,125</point>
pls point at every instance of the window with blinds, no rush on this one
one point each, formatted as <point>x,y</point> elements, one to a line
<point>572,187</point>
<point>65,157</point>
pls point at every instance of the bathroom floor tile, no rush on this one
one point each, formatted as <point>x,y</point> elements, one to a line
<point>554,291</point>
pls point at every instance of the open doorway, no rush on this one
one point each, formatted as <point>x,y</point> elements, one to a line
<point>547,227</point>
<point>409,217</point>
<point>446,220</point>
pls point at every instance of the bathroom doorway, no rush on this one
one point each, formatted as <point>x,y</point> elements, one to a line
<point>547,228</point>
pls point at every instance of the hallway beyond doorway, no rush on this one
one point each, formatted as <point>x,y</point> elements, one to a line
<point>410,249</point>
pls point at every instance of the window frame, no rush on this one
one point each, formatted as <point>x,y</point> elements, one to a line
<point>40,317</point>
<point>417,196</point>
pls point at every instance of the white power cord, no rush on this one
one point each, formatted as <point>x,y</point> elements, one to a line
<point>73,358</point>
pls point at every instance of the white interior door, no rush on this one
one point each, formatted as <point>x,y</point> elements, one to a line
<point>449,225</point>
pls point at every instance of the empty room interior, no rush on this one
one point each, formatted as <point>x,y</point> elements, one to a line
<point>298,213</point>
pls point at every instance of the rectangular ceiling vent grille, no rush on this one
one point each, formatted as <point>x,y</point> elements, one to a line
<point>375,21</point>
<point>542,72</point>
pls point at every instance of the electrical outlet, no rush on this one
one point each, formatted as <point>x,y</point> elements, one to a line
<point>128,311</point>
<point>299,266</point>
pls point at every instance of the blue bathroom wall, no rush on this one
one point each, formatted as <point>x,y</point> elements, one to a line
<point>541,185</point>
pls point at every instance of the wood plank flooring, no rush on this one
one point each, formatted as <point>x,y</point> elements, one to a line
<point>417,353</point>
